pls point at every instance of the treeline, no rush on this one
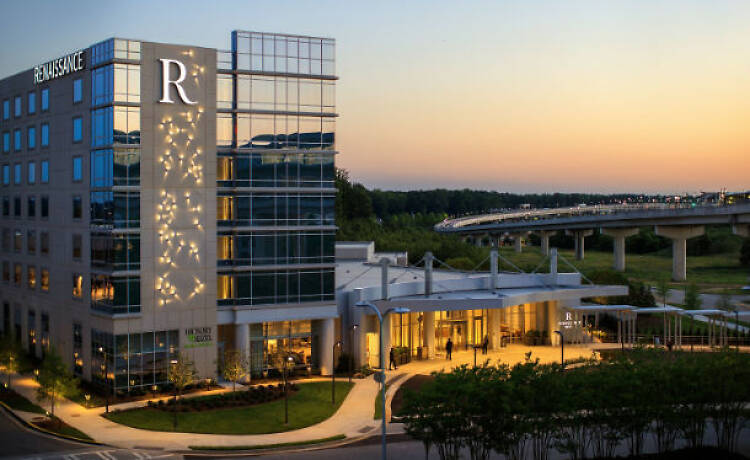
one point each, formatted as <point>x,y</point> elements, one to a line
<point>590,411</point>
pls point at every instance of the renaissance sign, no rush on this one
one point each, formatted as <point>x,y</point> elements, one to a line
<point>166,80</point>
<point>60,67</point>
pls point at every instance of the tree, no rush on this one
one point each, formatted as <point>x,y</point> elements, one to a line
<point>692,297</point>
<point>10,356</point>
<point>55,380</point>
<point>662,290</point>
<point>234,367</point>
<point>181,374</point>
<point>745,253</point>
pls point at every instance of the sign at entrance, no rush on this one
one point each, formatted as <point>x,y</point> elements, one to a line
<point>198,337</point>
<point>568,322</point>
<point>166,80</point>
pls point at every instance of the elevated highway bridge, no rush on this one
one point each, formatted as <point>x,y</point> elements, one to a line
<point>678,222</point>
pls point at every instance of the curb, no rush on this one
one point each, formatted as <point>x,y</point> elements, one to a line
<point>46,431</point>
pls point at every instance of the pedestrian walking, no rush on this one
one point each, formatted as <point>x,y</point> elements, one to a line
<point>485,344</point>
<point>393,360</point>
<point>448,348</point>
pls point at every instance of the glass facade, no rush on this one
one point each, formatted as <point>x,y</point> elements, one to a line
<point>268,339</point>
<point>276,132</point>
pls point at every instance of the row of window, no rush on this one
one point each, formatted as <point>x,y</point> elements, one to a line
<point>115,295</point>
<point>31,328</point>
<point>276,170</point>
<point>31,138</point>
<point>282,53</point>
<point>274,131</point>
<point>31,101</point>
<point>115,125</point>
<point>115,209</point>
<point>277,209</point>
<point>276,248</point>
<point>30,206</point>
<point>31,276</point>
<point>31,176</point>
<point>116,83</point>
<point>115,48</point>
<point>115,167</point>
<point>115,251</point>
<point>256,288</point>
<point>246,92</point>
<point>31,242</point>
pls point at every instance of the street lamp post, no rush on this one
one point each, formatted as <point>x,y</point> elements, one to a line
<point>562,349</point>
<point>289,359</point>
<point>333,370</point>
<point>381,318</point>
<point>350,361</point>
<point>106,380</point>
<point>173,363</point>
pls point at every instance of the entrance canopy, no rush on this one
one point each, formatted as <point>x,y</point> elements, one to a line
<point>602,308</point>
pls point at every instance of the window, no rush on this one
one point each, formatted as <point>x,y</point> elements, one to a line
<point>77,285</point>
<point>77,246</point>
<point>116,251</point>
<point>112,168</point>
<point>31,138</point>
<point>6,142</point>
<point>17,206</point>
<point>6,271</point>
<point>6,240</point>
<point>6,206</point>
<point>6,109</point>
<point>31,276</point>
<point>77,169</point>
<point>45,99</point>
<point>31,242</point>
<point>6,174</point>
<point>32,103</point>
<point>17,173</point>
<point>77,207</point>
<point>17,140</point>
<point>31,206</point>
<point>45,135</point>
<point>127,83</point>
<point>17,240</point>
<point>45,207</point>
<point>45,280</point>
<point>44,174</point>
<point>77,129</point>
<point>127,125</point>
<point>77,90</point>
<point>31,175</point>
<point>17,274</point>
<point>44,243</point>
<point>17,108</point>
<point>116,295</point>
<point>115,209</point>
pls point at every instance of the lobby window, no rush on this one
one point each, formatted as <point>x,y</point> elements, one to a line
<point>77,207</point>
<point>31,276</point>
<point>31,206</point>
<point>6,109</point>
<point>45,134</point>
<point>32,103</point>
<point>77,285</point>
<point>17,106</point>
<point>31,138</point>
<point>44,281</point>
<point>77,169</point>
<point>127,85</point>
<point>77,129</point>
<point>116,295</point>
<point>31,241</point>
<point>17,174</point>
<point>6,142</point>
<point>17,240</point>
<point>17,274</point>
<point>44,173</point>
<point>45,99</point>
<point>17,140</point>
<point>44,243</point>
<point>127,125</point>
<point>77,246</point>
<point>45,207</point>
<point>17,206</point>
<point>77,90</point>
<point>31,173</point>
<point>6,174</point>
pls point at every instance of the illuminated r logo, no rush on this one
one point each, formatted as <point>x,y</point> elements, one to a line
<point>166,81</point>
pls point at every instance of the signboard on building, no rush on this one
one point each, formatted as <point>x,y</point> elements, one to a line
<point>198,337</point>
<point>60,67</point>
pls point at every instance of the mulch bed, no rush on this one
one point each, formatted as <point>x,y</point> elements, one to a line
<point>414,384</point>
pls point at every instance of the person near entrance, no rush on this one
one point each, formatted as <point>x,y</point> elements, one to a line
<point>392,361</point>
<point>449,348</point>
<point>485,344</point>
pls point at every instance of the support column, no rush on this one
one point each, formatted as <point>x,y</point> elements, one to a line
<point>384,262</point>
<point>242,339</point>
<point>386,348</point>
<point>428,257</point>
<point>518,240</point>
<point>428,325</point>
<point>544,236</point>
<point>741,230</point>
<point>579,236</point>
<point>326,336</point>
<point>619,235</point>
<point>679,234</point>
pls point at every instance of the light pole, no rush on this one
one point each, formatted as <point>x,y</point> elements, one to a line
<point>288,361</point>
<point>333,370</point>
<point>350,361</point>
<point>106,380</point>
<point>381,318</point>
<point>562,349</point>
<point>173,363</point>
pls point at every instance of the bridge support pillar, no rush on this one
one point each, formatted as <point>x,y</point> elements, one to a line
<point>679,234</point>
<point>741,230</point>
<point>544,236</point>
<point>578,237</point>
<point>619,235</point>
<point>518,240</point>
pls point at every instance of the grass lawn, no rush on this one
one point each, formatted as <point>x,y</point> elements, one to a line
<point>309,405</point>
<point>721,270</point>
<point>18,402</point>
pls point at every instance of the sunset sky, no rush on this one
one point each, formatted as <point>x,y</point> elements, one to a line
<point>520,96</point>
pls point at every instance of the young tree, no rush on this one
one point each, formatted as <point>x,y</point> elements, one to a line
<point>234,367</point>
<point>662,290</point>
<point>692,297</point>
<point>181,374</point>
<point>10,356</point>
<point>55,380</point>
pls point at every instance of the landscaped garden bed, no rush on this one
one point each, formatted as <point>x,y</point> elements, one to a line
<point>254,395</point>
